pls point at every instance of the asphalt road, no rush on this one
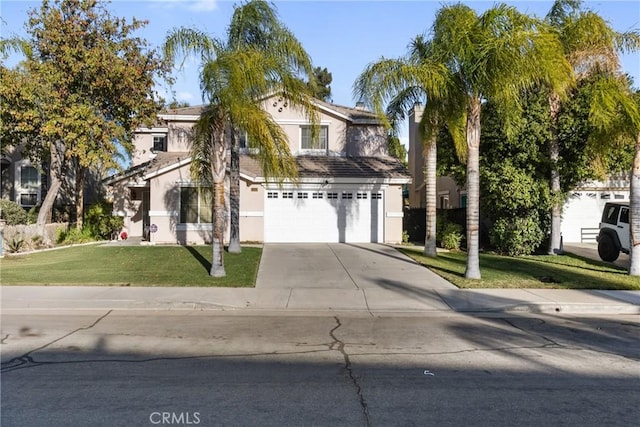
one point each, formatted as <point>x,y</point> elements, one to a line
<point>210,368</point>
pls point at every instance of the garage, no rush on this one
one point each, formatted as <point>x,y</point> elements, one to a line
<point>323,215</point>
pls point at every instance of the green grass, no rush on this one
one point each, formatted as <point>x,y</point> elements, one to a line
<point>543,271</point>
<point>130,266</point>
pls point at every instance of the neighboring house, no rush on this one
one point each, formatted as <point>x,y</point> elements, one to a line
<point>20,180</point>
<point>349,189</point>
<point>581,213</point>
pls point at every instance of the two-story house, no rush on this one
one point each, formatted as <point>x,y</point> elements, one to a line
<point>348,190</point>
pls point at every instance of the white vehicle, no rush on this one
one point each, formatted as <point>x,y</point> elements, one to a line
<point>615,234</point>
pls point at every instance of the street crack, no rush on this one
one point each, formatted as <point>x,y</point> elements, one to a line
<point>26,358</point>
<point>338,345</point>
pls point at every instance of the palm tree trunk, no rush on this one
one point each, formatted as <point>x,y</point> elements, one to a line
<point>473,191</point>
<point>430,160</point>
<point>55,167</point>
<point>634,221</point>
<point>217,243</point>
<point>218,169</point>
<point>234,194</point>
<point>80,175</point>
<point>555,241</point>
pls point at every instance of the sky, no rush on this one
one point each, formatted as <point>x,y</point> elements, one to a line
<point>343,36</point>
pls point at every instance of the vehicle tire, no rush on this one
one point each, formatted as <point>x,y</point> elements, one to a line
<point>607,249</point>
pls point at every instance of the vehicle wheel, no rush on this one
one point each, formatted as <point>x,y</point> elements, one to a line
<point>607,249</point>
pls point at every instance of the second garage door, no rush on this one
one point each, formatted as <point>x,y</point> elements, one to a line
<point>345,215</point>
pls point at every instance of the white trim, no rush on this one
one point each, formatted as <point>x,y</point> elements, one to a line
<point>252,213</point>
<point>153,130</point>
<point>302,122</point>
<point>331,181</point>
<point>395,214</point>
<point>163,213</point>
<point>168,168</point>
<point>179,117</point>
<point>194,227</point>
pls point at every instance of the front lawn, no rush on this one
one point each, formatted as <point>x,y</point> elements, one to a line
<point>543,271</point>
<point>129,266</point>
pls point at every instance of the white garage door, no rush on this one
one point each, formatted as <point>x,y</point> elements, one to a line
<point>347,215</point>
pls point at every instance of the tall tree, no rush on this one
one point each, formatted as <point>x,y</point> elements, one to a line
<point>591,46</point>
<point>93,86</point>
<point>494,56</point>
<point>320,83</point>
<point>404,83</point>
<point>615,114</point>
<point>260,57</point>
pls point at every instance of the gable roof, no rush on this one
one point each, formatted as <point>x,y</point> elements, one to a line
<point>309,167</point>
<point>352,114</point>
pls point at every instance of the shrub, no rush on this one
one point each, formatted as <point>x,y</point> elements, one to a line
<point>74,236</point>
<point>15,243</point>
<point>13,213</point>
<point>100,223</point>
<point>517,236</point>
<point>451,236</point>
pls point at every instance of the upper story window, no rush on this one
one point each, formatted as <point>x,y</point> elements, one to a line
<point>320,142</point>
<point>159,143</point>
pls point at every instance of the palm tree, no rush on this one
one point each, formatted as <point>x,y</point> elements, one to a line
<point>260,58</point>
<point>495,56</point>
<point>405,82</point>
<point>615,115</point>
<point>591,46</point>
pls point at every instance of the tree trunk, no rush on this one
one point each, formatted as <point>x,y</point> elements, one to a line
<point>234,194</point>
<point>80,176</point>
<point>473,191</point>
<point>430,161</point>
<point>634,220</point>
<point>218,169</point>
<point>46,208</point>
<point>555,241</point>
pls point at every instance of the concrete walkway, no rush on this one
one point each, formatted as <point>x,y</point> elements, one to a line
<point>303,279</point>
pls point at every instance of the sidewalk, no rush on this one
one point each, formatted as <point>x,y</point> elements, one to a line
<point>372,301</point>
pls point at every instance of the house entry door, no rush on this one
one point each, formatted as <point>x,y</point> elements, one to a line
<point>146,220</point>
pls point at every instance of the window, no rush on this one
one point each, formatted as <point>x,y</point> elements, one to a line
<point>303,195</point>
<point>444,202</point>
<point>610,214</point>
<point>29,177</point>
<point>362,196</point>
<point>272,195</point>
<point>196,205</point>
<point>347,195</point>
<point>376,196</point>
<point>332,195</point>
<point>159,143</point>
<point>319,143</point>
<point>287,195</point>
<point>29,188</point>
<point>624,216</point>
<point>28,199</point>
<point>317,195</point>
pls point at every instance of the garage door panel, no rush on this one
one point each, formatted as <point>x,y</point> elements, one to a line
<point>327,216</point>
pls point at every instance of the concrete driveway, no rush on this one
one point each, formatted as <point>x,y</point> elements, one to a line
<point>590,250</point>
<point>340,275</point>
<point>342,266</point>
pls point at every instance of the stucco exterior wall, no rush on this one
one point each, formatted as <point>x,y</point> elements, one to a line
<point>366,141</point>
<point>393,214</point>
<point>251,212</point>
<point>291,119</point>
